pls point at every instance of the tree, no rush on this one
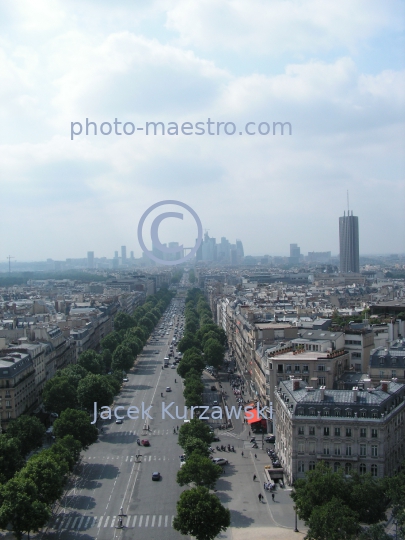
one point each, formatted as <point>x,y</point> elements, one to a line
<point>201,514</point>
<point>123,321</point>
<point>48,475</point>
<point>77,424</point>
<point>134,344</point>
<point>193,399</point>
<point>73,373</point>
<point>333,521</point>
<point>186,342</point>
<point>91,361</point>
<point>375,532</point>
<point>200,470</point>
<point>195,363</point>
<point>146,323</point>
<point>195,428</point>
<point>28,431</point>
<point>367,498</point>
<point>138,333</point>
<point>21,507</point>
<point>194,445</point>
<point>107,359</point>
<point>11,459</point>
<point>110,342</point>
<point>59,394</point>
<point>66,449</point>
<point>213,353</point>
<point>95,388</point>
<point>122,358</point>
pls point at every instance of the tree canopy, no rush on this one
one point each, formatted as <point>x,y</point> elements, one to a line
<point>76,423</point>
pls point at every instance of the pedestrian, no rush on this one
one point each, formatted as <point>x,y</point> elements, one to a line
<point>254,477</point>
<point>255,456</point>
<point>260,497</point>
<point>249,433</point>
<point>264,486</point>
<point>272,496</point>
<point>177,428</point>
<point>242,453</point>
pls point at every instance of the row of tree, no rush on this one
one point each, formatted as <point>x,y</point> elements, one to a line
<point>199,513</point>
<point>29,488</point>
<point>333,505</point>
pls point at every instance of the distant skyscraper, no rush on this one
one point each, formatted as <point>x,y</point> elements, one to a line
<point>124,254</point>
<point>295,253</point>
<point>90,259</point>
<point>349,243</point>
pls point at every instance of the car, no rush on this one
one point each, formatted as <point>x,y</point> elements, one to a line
<point>125,379</point>
<point>156,352</point>
<point>156,476</point>
<point>118,421</point>
<point>270,439</point>
<point>145,442</point>
<point>215,439</point>
<point>173,366</point>
<point>213,388</point>
<point>54,415</point>
<point>220,461</point>
<point>215,402</point>
<point>168,389</point>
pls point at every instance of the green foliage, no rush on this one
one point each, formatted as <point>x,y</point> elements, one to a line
<point>213,353</point>
<point>91,361</point>
<point>11,459</point>
<point>200,470</point>
<point>107,359</point>
<point>195,428</point>
<point>77,424</point>
<point>95,388</point>
<point>195,445</point>
<point>123,321</point>
<point>187,342</point>
<point>74,373</point>
<point>21,507</point>
<point>111,341</point>
<point>200,514</point>
<point>28,431</point>
<point>60,394</point>
<point>48,474</point>
<point>123,358</point>
<point>139,333</point>
<point>332,521</point>
<point>375,532</point>
<point>67,449</point>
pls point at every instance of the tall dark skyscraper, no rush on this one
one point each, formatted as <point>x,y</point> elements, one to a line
<point>349,243</point>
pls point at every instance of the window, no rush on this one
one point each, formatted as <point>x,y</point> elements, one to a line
<point>326,449</point>
<point>321,368</point>
<point>301,467</point>
<point>362,414</point>
<point>326,432</point>
<point>326,412</point>
<point>394,373</point>
<point>382,373</point>
<point>301,431</point>
<point>280,368</point>
<point>297,368</point>
<point>336,466</point>
<point>312,412</point>
<point>311,465</point>
<point>348,450</point>
<point>337,412</point>
<point>337,431</point>
<point>349,413</point>
<point>363,450</point>
<point>8,404</point>
<point>363,432</point>
<point>288,369</point>
<point>301,448</point>
<point>348,468</point>
<point>362,468</point>
<point>311,447</point>
<point>374,433</point>
<point>312,430</point>
<point>374,470</point>
<point>338,450</point>
<point>374,450</point>
<point>321,381</point>
<point>305,369</point>
<point>348,432</point>
<point>374,414</point>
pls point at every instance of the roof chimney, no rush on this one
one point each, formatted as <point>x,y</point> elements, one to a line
<point>367,384</point>
<point>296,384</point>
<point>322,389</point>
<point>355,392</point>
<point>384,386</point>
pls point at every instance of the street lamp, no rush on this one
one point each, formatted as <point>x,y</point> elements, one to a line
<point>296,520</point>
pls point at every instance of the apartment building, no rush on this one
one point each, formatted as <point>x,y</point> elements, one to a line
<point>388,362</point>
<point>17,385</point>
<point>355,430</point>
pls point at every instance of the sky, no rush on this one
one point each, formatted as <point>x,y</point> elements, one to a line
<point>335,71</point>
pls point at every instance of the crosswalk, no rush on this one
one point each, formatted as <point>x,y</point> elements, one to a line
<point>144,457</point>
<point>65,522</point>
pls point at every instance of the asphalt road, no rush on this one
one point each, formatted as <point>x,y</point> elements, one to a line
<point>111,478</point>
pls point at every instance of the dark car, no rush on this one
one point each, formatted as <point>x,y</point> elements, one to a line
<point>215,439</point>
<point>156,476</point>
<point>270,439</point>
<point>145,442</point>
<point>213,388</point>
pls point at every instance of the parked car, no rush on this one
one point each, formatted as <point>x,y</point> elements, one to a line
<point>270,439</point>
<point>118,421</point>
<point>156,476</point>
<point>220,461</point>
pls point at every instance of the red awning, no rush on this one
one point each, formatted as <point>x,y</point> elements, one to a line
<point>255,417</point>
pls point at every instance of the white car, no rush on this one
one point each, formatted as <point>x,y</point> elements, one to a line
<point>220,461</point>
